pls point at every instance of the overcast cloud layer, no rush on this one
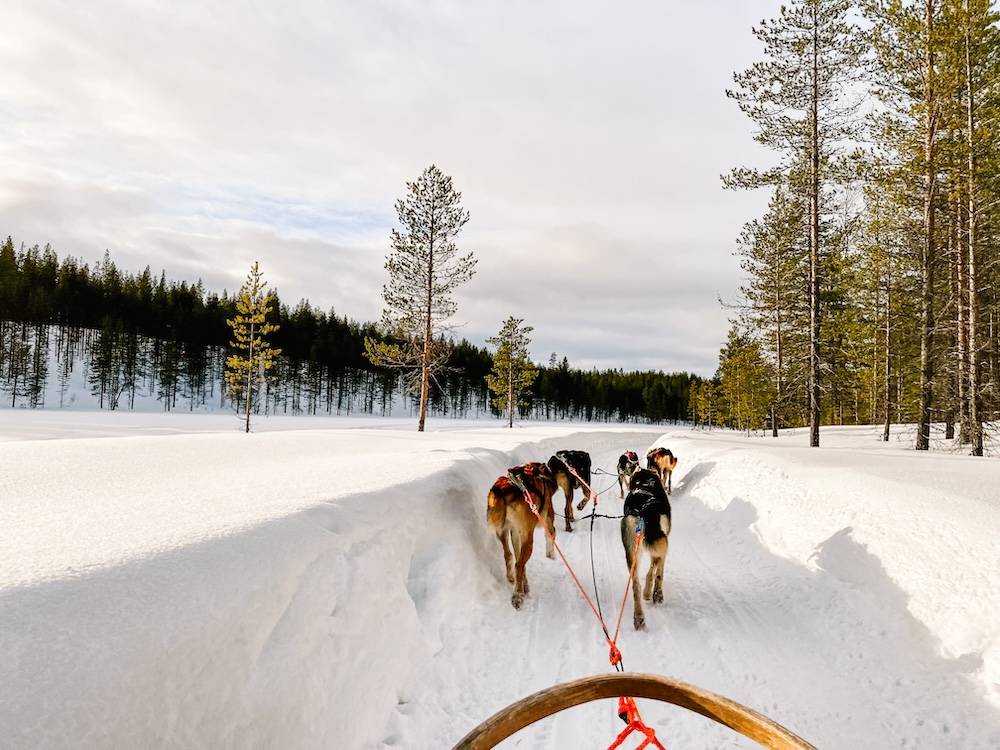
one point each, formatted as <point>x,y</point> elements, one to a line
<point>587,140</point>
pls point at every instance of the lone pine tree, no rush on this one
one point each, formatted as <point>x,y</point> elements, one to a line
<point>424,268</point>
<point>512,372</point>
<point>253,355</point>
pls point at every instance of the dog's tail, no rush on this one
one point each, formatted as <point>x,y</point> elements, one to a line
<point>496,511</point>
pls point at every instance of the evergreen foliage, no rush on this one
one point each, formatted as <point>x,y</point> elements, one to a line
<point>253,355</point>
<point>147,335</point>
<point>424,268</point>
<point>902,238</point>
<point>796,96</point>
<point>513,372</point>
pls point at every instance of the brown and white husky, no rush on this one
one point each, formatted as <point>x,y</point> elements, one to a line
<point>508,514</point>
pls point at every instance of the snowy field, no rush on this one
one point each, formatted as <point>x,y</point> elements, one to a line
<point>169,582</point>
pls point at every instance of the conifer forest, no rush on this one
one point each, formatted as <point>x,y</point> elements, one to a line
<point>142,334</point>
<point>871,281</point>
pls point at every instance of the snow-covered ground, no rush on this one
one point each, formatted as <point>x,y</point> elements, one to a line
<point>167,581</point>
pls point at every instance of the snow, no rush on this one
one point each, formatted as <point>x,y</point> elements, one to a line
<point>168,581</point>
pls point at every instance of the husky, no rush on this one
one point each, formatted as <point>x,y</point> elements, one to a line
<point>568,468</point>
<point>647,508</point>
<point>508,514</point>
<point>627,465</point>
<point>662,461</point>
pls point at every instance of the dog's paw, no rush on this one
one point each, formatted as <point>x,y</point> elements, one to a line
<point>582,504</point>
<point>517,600</point>
<point>639,622</point>
<point>658,597</point>
<point>569,526</point>
<point>551,554</point>
<point>510,578</point>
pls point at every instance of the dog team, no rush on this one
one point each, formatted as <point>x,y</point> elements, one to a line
<point>646,509</point>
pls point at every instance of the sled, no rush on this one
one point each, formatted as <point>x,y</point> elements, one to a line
<point>552,700</point>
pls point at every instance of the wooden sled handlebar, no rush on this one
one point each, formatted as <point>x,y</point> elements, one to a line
<point>552,700</point>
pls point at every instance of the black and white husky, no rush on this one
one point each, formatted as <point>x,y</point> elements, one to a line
<point>647,508</point>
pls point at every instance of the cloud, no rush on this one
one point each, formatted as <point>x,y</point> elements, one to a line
<point>587,140</point>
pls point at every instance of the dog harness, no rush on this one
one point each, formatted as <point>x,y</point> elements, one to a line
<point>637,510</point>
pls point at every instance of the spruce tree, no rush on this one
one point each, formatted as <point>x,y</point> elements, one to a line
<point>513,373</point>
<point>253,355</point>
<point>424,269</point>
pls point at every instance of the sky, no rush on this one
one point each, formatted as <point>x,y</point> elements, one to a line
<point>167,581</point>
<point>587,140</point>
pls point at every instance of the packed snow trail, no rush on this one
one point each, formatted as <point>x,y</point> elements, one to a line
<point>340,588</point>
<point>776,634</point>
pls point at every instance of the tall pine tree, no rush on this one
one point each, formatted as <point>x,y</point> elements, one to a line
<point>424,269</point>
<point>796,97</point>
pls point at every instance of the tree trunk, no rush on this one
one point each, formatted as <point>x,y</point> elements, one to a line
<point>814,323</point>
<point>957,378</point>
<point>975,418</point>
<point>249,376</point>
<point>888,350</point>
<point>425,369</point>
<point>927,292</point>
<point>510,396</point>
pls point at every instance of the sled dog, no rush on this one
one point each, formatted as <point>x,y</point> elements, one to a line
<point>508,514</point>
<point>647,508</point>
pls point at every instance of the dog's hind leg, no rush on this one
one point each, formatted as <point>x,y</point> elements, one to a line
<point>508,558</point>
<point>653,591</point>
<point>567,487</point>
<point>659,554</point>
<point>586,498</point>
<point>550,524</point>
<point>521,588</point>
<point>658,581</point>
<point>629,536</point>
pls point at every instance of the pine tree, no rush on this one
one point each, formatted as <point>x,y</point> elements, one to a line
<point>253,355</point>
<point>745,388</point>
<point>796,98</point>
<point>512,372</point>
<point>775,258</point>
<point>973,58</point>
<point>424,268</point>
<point>908,43</point>
<point>702,404</point>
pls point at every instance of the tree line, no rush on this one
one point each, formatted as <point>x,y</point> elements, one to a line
<point>871,280</point>
<point>138,334</point>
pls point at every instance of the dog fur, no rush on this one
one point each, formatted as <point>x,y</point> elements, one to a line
<point>508,514</point>
<point>647,501</point>
<point>580,463</point>
<point>662,462</point>
<point>627,466</point>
